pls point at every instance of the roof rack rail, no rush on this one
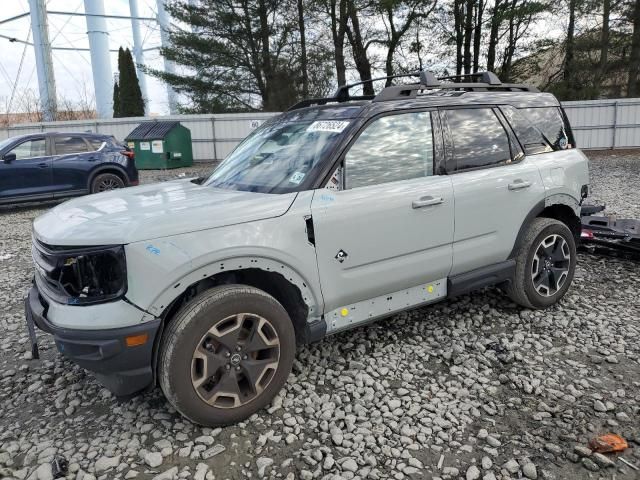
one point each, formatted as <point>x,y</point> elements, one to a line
<point>476,82</point>
<point>342,93</point>
<point>473,82</point>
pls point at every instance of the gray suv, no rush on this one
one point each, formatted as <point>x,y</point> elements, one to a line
<point>341,211</point>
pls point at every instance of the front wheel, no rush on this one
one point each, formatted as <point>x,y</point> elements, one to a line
<point>545,264</point>
<point>226,354</point>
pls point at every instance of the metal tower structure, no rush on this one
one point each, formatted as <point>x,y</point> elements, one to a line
<point>100,60</point>
<point>138,52</point>
<point>98,35</point>
<point>169,66</point>
<point>44,63</point>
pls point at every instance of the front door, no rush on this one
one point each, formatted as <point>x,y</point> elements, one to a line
<point>390,227</point>
<point>494,184</point>
<point>29,173</point>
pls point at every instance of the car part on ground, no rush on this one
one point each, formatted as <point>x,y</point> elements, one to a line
<point>608,231</point>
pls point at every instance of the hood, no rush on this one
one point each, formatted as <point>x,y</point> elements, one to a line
<point>153,211</point>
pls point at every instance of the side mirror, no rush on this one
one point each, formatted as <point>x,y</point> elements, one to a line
<point>9,157</point>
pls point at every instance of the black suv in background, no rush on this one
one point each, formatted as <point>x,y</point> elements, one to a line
<point>46,166</point>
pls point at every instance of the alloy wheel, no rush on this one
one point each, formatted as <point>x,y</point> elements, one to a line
<point>550,266</point>
<point>108,184</point>
<point>235,360</point>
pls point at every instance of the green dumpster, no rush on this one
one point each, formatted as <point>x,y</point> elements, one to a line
<point>161,144</point>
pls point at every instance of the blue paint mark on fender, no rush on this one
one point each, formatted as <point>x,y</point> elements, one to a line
<point>327,198</point>
<point>152,249</point>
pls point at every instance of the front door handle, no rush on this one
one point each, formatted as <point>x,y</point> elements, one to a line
<point>428,201</point>
<point>519,185</point>
<point>43,165</point>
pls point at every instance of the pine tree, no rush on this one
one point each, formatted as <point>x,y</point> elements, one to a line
<point>239,56</point>
<point>130,101</point>
<point>116,100</point>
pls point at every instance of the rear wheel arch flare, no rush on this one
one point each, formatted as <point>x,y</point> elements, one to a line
<point>559,207</point>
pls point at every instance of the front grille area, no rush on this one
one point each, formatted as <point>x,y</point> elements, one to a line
<point>80,275</point>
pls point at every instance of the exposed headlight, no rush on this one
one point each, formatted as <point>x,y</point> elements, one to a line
<point>81,275</point>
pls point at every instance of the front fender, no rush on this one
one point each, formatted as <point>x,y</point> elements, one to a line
<point>162,269</point>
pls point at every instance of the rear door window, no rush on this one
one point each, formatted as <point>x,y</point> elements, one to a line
<point>70,145</point>
<point>391,148</point>
<point>478,139</point>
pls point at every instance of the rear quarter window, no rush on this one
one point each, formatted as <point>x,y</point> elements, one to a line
<point>551,122</point>
<point>532,139</point>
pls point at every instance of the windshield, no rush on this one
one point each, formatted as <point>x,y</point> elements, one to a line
<point>278,157</point>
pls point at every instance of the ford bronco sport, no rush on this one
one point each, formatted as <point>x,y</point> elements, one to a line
<point>340,211</point>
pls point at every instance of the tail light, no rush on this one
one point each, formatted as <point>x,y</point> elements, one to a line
<point>588,234</point>
<point>128,153</point>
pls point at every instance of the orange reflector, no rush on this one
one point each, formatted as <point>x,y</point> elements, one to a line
<point>136,340</point>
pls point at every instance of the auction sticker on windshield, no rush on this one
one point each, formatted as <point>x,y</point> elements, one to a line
<point>296,178</point>
<point>327,126</point>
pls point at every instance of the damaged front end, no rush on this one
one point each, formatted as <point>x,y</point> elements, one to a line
<point>80,275</point>
<point>79,298</point>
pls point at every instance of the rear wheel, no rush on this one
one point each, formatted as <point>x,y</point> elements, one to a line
<point>105,182</point>
<point>545,264</point>
<point>226,354</point>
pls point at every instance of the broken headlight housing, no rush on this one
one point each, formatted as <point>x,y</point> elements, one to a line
<point>80,275</point>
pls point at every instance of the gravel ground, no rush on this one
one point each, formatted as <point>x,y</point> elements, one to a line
<point>468,388</point>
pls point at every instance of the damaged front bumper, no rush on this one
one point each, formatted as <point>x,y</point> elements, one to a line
<point>121,358</point>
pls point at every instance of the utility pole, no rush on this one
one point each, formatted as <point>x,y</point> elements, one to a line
<point>169,66</point>
<point>100,57</point>
<point>138,52</point>
<point>44,63</point>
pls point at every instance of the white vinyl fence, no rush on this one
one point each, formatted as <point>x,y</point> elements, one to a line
<point>597,124</point>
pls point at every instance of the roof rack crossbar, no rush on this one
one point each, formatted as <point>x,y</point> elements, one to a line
<point>323,101</point>
<point>342,92</point>
<point>483,77</point>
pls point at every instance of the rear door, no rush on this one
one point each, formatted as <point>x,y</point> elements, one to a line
<point>72,161</point>
<point>494,184</point>
<point>30,173</point>
<point>391,225</point>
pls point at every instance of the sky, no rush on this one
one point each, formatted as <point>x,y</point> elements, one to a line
<point>72,68</point>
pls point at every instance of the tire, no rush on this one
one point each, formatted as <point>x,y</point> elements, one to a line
<point>105,182</point>
<point>538,285</point>
<point>208,365</point>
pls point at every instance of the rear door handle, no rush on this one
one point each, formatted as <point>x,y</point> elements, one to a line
<point>519,185</point>
<point>43,165</point>
<point>428,201</point>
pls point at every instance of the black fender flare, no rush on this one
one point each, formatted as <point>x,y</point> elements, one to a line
<point>533,213</point>
<point>536,211</point>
